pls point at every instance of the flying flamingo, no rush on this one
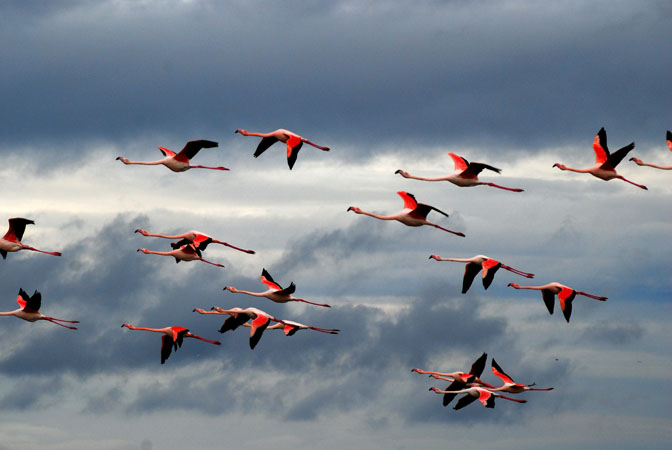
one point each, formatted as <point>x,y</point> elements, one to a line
<point>460,379</point>
<point>565,296</point>
<point>30,310</point>
<point>275,292</point>
<point>485,396</point>
<point>178,162</point>
<point>639,162</point>
<point>465,174</point>
<point>11,241</point>
<point>172,338</point>
<point>477,263</point>
<point>240,316</point>
<point>293,140</point>
<point>605,162</point>
<point>184,253</point>
<point>199,240</point>
<point>510,385</point>
<point>414,214</point>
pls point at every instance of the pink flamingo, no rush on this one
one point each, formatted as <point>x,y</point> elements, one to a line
<point>178,162</point>
<point>275,292</point>
<point>184,253</point>
<point>172,338</point>
<point>293,140</point>
<point>565,296</point>
<point>11,241</point>
<point>510,385</point>
<point>290,327</point>
<point>465,175</point>
<point>30,310</point>
<point>478,263</point>
<point>639,162</point>
<point>414,214</point>
<point>199,240</point>
<point>485,396</point>
<point>605,162</point>
<point>240,316</point>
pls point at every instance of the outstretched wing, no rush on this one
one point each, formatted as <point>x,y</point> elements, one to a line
<point>167,152</point>
<point>549,299</point>
<point>464,401</point>
<point>166,347</point>
<point>600,147</point>
<point>478,365</point>
<point>423,209</point>
<point>490,268</point>
<point>500,373</point>
<point>566,296</point>
<point>409,200</point>
<point>268,280</point>
<point>17,226</point>
<point>461,164</point>
<point>475,168</point>
<point>258,327</point>
<point>294,144</point>
<point>264,144</point>
<point>470,271</point>
<point>289,290</point>
<point>615,158</point>
<point>193,147</point>
<point>454,386</point>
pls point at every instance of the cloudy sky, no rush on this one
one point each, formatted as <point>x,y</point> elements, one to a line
<point>387,85</point>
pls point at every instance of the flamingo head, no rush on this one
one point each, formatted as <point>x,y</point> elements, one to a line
<point>560,166</point>
<point>199,310</point>
<point>141,231</point>
<point>128,325</point>
<point>436,257</point>
<point>416,370</point>
<point>435,389</point>
<point>513,285</point>
<point>636,160</point>
<point>354,209</point>
<point>143,250</point>
<point>122,159</point>
<point>403,173</point>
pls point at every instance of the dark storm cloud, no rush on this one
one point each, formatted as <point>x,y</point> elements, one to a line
<point>473,73</point>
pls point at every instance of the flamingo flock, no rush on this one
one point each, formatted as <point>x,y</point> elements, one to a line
<point>190,245</point>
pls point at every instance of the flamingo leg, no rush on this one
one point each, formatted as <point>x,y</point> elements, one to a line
<point>27,247</point>
<point>446,229</point>
<point>518,272</point>
<point>316,304</point>
<point>641,186</point>
<point>503,187</point>
<point>251,252</point>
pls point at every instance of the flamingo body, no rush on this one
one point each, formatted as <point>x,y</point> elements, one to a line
<point>185,253</point>
<point>178,162</point>
<point>414,214</point>
<point>565,295</point>
<point>510,385</point>
<point>29,310</point>
<point>484,264</point>
<point>172,338</point>
<point>485,396</point>
<point>11,241</point>
<point>239,316</point>
<point>294,143</point>
<point>199,240</point>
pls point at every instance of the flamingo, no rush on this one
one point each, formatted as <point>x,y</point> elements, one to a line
<point>510,385</point>
<point>172,338</point>
<point>460,379</point>
<point>465,174</point>
<point>240,316</point>
<point>293,140</point>
<point>485,396</point>
<point>178,162</point>
<point>199,240</point>
<point>477,263</point>
<point>275,292</point>
<point>639,162</point>
<point>11,241</point>
<point>185,253</point>
<point>30,310</point>
<point>565,296</point>
<point>414,214</point>
<point>605,162</point>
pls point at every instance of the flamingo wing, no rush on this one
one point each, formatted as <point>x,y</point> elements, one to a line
<point>669,139</point>
<point>461,164</point>
<point>167,152</point>
<point>289,290</point>
<point>615,158</point>
<point>486,398</point>
<point>475,168</point>
<point>464,401</point>
<point>17,226</point>
<point>264,144</point>
<point>166,347</point>
<point>500,373</point>
<point>479,365</point>
<point>294,144</point>
<point>290,329</point>
<point>454,386</point>
<point>202,241</point>
<point>268,280</point>
<point>422,210</point>
<point>549,299</point>
<point>178,336</point>
<point>193,147</point>
<point>490,268</point>
<point>566,296</point>
<point>259,325</point>
<point>409,200</point>
<point>234,321</point>
<point>470,271</point>
<point>600,147</point>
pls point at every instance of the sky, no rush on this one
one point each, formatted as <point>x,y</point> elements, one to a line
<point>387,85</point>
